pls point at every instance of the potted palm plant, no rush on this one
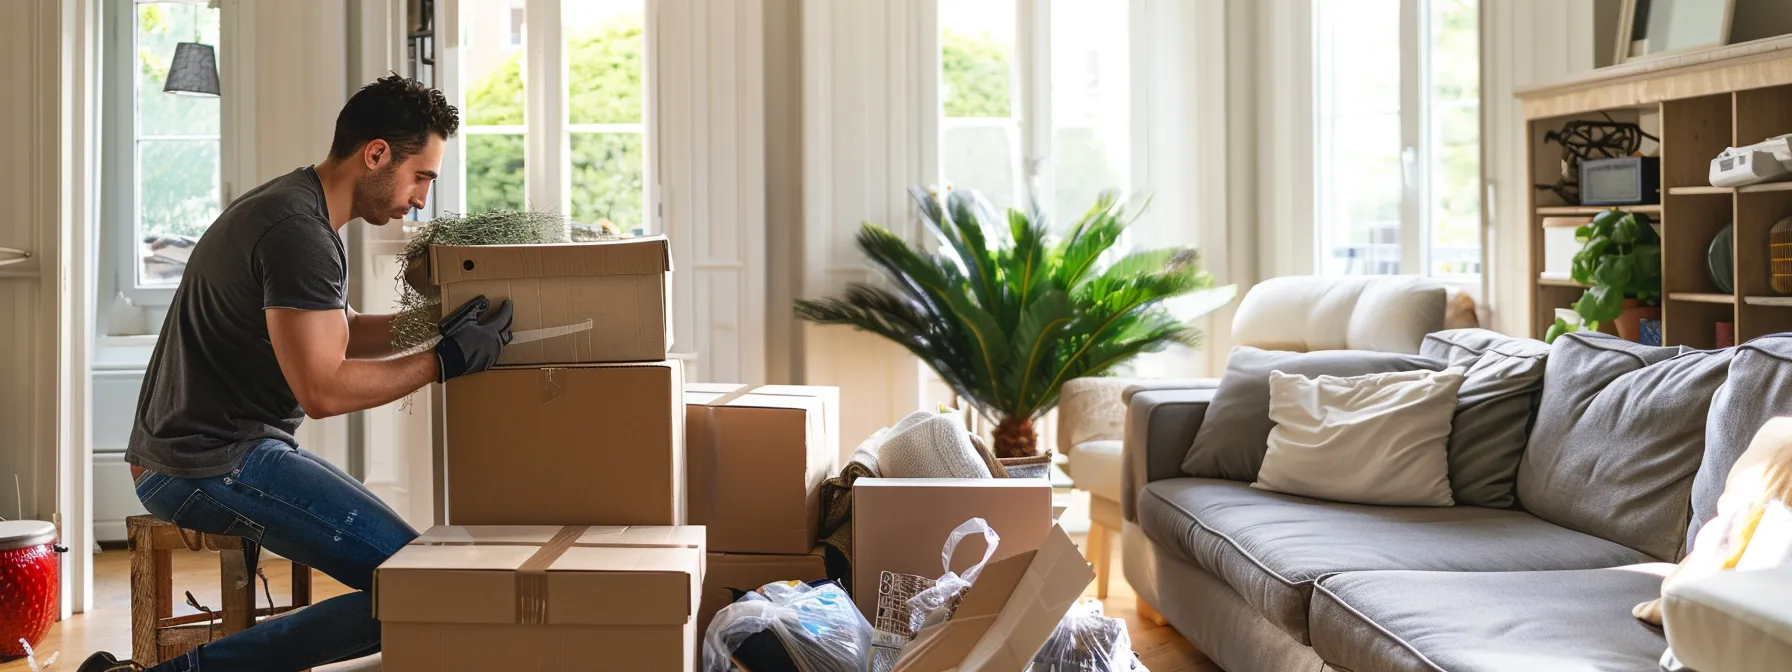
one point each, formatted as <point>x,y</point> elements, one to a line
<point>1005,315</point>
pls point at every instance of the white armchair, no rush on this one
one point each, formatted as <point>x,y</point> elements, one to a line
<point>1300,313</point>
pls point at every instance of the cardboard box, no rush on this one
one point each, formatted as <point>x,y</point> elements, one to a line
<point>901,524</point>
<point>599,444</point>
<point>541,598</point>
<point>607,301</point>
<point>746,571</point>
<point>757,457</point>
<point>1007,615</point>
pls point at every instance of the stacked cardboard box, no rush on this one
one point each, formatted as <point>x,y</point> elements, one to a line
<point>580,424</point>
<point>758,456</point>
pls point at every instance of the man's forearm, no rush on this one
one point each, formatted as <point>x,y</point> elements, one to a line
<point>370,336</point>
<point>358,385</point>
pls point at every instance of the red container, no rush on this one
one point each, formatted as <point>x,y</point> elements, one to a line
<point>30,583</point>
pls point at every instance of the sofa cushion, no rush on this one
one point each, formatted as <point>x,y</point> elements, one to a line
<point>1494,409</point>
<point>1234,433</point>
<point>1619,435</point>
<point>1755,391</point>
<point>1095,467</point>
<point>1270,546</point>
<point>1552,621</point>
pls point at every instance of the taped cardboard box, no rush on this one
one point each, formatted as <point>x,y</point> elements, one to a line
<point>728,572</point>
<point>898,523</point>
<point>585,302</point>
<point>758,456</point>
<point>541,598</point>
<point>1007,614</point>
<point>599,444</point>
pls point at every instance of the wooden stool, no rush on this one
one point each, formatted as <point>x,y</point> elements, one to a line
<point>156,634</point>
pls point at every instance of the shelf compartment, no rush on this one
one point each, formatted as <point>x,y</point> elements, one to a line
<point>1596,209</point>
<point>1697,297</point>
<point>1693,324</point>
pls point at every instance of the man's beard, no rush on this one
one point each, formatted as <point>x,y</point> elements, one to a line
<point>373,195</point>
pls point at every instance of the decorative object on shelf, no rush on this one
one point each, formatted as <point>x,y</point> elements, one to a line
<point>1629,180</point>
<point>1584,140</point>
<point>1006,320</point>
<point>1656,27</point>
<point>1620,262</point>
<point>1726,334</point>
<point>1779,251</point>
<point>1651,332</point>
<point>1720,260</point>
<point>1767,161</point>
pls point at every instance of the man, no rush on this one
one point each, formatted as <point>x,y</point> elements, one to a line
<point>260,335</point>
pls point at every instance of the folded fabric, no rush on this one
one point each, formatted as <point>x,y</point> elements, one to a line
<point>1372,439</point>
<point>929,445</point>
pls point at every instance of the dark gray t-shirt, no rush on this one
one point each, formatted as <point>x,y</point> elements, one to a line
<point>213,388</point>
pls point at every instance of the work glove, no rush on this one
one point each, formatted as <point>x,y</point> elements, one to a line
<point>472,338</point>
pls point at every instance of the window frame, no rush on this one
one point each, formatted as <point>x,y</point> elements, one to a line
<point>1417,115</point>
<point>119,148</point>
<point>547,127</point>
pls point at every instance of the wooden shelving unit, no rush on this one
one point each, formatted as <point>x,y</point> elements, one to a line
<point>1696,105</point>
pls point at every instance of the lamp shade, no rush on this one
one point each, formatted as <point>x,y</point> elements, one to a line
<point>194,71</point>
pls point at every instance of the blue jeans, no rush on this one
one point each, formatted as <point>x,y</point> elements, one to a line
<point>308,511</point>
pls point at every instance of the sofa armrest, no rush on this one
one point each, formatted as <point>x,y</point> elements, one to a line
<point>1738,621</point>
<point>1160,427</point>
<point>1149,384</point>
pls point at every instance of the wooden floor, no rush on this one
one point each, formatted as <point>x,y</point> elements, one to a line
<point>108,626</point>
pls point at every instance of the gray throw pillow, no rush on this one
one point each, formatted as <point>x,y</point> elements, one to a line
<point>1619,434</point>
<point>1234,433</point>
<point>1494,410</point>
<point>1757,390</point>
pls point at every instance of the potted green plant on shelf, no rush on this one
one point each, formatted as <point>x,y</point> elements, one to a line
<point>1620,263</point>
<point>1005,315</point>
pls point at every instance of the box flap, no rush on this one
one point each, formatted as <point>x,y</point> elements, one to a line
<point>704,392</point>
<point>1007,614</point>
<point>634,256</point>
<point>488,534</point>
<point>489,558</point>
<point>678,536</point>
<point>624,586</point>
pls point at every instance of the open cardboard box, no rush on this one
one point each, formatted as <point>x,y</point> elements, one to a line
<point>1007,615</point>
<point>757,457</point>
<point>899,525</point>
<point>604,301</point>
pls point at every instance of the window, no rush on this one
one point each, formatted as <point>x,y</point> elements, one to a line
<point>1035,99</point>
<point>1398,158</point>
<point>167,147</point>
<point>594,157</point>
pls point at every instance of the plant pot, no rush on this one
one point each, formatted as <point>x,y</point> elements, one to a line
<point>1627,323</point>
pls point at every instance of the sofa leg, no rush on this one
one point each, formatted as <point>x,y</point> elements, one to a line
<point>1148,614</point>
<point>1100,553</point>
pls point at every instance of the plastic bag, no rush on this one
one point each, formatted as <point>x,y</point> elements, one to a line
<point>793,625</point>
<point>925,608</point>
<point>1087,641</point>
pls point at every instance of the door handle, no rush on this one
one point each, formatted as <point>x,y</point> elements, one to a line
<point>12,256</point>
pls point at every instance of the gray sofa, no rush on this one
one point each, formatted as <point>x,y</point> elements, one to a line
<point>1618,464</point>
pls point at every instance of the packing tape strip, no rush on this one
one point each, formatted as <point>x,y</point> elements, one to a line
<point>532,576</point>
<point>544,333</point>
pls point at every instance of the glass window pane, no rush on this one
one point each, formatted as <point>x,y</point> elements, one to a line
<point>494,171</point>
<point>604,43</point>
<point>1455,137</point>
<point>1359,173</point>
<point>492,76</point>
<point>979,155</point>
<point>976,56</point>
<point>1090,73</point>
<point>607,182</point>
<point>177,199</point>
<point>160,26</point>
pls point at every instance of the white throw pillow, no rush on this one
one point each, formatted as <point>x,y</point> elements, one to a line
<point>1373,439</point>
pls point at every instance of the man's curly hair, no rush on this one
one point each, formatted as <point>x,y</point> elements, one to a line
<point>401,111</point>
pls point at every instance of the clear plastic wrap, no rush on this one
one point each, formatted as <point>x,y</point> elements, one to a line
<point>1087,641</point>
<point>816,628</point>
<point>925,608</point>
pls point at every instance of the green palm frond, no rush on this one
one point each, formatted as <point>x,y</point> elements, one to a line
<point>1004,314</point>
